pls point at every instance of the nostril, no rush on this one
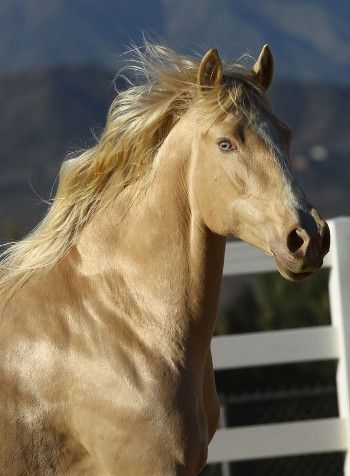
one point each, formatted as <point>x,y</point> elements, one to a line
<point>294,241</point>
<point>326,240</point>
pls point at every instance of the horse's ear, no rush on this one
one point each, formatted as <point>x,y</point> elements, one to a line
<point>263,68</point>
<point>210,69</point>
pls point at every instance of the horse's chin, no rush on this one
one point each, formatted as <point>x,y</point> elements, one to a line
<point>296,277</point>
<point>291,275</point>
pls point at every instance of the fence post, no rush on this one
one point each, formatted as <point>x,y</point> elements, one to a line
<point>225,465</point>
<point>339,295</point>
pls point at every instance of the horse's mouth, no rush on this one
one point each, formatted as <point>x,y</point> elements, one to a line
<point>291,275</point>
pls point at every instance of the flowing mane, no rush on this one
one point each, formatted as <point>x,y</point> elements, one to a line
<point>138,121</point>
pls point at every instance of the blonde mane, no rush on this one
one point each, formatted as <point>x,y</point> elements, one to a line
<point>138,121</point>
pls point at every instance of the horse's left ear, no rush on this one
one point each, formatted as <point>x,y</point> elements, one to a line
<point>263,68</point>
<point>210,69</point>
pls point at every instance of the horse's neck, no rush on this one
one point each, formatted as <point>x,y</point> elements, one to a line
<point>160,256</point>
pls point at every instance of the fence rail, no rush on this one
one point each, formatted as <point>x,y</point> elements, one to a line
<point>296,345</point>
<point>277,347</point>
<point>279,439</point>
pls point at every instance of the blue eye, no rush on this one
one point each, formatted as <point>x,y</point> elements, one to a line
<point>225,145</point>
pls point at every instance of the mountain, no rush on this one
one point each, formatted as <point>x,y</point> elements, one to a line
<point>310,38</point>
<point>47,114</point>
<point>39,34</point>
<point>44,116</point>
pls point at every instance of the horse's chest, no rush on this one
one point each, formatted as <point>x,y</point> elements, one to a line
<point>140,422</point>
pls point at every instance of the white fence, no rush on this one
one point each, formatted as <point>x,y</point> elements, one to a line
<point>288,346</point>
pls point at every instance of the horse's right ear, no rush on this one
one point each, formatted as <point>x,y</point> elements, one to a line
<point>210,70</point>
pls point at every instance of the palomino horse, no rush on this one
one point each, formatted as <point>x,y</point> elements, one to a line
<point>108,307</point>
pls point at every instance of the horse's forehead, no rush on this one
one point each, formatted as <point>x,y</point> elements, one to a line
<point>266,126</point>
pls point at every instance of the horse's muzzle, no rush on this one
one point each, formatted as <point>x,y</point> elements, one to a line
<point>300,253</point>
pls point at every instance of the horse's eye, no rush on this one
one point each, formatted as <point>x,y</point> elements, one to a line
<point>225,145</point>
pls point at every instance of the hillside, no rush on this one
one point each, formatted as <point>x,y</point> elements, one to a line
<point>47,114</point>
<point>44,116</point>
<point>309,37</point>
